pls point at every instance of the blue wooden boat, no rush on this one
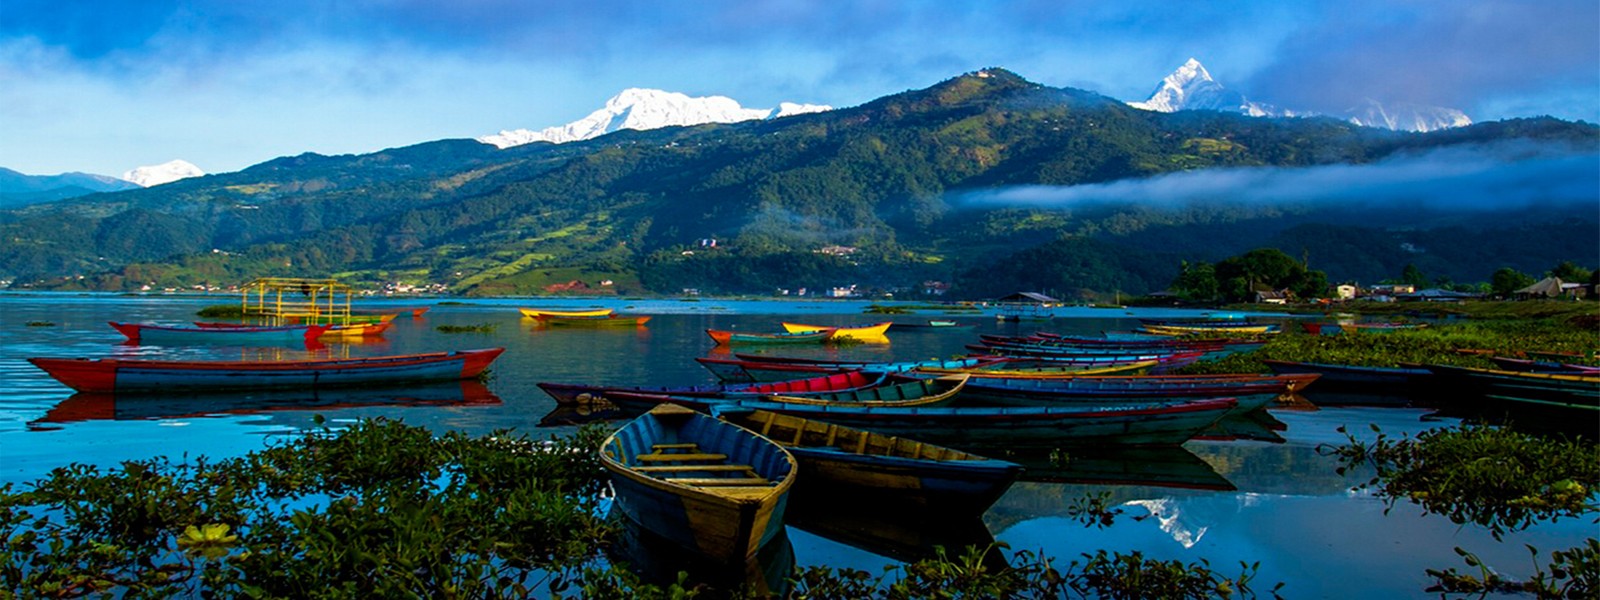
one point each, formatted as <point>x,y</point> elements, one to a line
<point>708,486</point>
<point>141,333</point>
<point>912,473</point>
<point>728,338</point>
<point>86,406</point>
<point>937,391</point>
<point>1577,395</point>
<point>1053,427</point>
<point>136,375</point>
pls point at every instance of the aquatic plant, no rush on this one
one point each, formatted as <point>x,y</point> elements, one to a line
<point>1574,573</point>
<point>380,510</point>
<point>1500,479</point>
<point>222,311</point>
<point>479,328</point>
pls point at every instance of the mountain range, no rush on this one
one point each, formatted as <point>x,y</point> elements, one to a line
<point>642,109</point>
<point>968,182</point>
<point>1191,87</point>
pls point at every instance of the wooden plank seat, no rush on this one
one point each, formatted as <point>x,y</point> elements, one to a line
<point>722,481</point>
<point>685,457</point>
<point>691,468</point>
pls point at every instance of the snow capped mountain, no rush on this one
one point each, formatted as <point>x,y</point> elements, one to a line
<point>641,109</point>
<point>1191,87</point>
<point>166,172</point>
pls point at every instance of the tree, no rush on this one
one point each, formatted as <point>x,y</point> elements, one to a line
<point>1411,275</point>
<point>1197,282</point>
<point>1266,268</point>
<point>1570,271</point>
<point>1507,280</point>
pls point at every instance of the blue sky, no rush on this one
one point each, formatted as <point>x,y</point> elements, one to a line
<point>103,86</point>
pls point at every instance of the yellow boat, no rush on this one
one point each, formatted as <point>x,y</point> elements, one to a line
<point>534,313</point>
<point>356,330</point>
<point>869,332</point>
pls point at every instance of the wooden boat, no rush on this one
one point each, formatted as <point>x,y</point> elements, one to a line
<point>730,369</point>
<point>706,485</point>
<point>1578,395</point>
<point>1210,329</point>
<point>1044,371</point>
<point>1166,358</point>
<point>1155,466</point>
<point>1052,427</point>
<point>728,338</point>
<point>346,319</point>
<point>1541,366</point>
<point>865,332</point>
<point>1252,393</point>
<point>534,313</point>
<point>1353,375</point>
<point>864,463</point>
<point>905,394</point>
<point>1381,327</point>
<point>354,330</point>
<point>611,320</point>
<point>410,311</point>
<point>134,375</point>
<point>576,394</point>
<point>173,334</point>
<point>930,324</point>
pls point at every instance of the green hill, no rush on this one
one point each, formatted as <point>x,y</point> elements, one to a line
<point>885,195</point>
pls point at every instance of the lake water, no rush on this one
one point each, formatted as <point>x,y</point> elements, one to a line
<point>1265,496</point>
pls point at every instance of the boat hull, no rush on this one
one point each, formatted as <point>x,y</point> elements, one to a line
<point>726,523</point>
<point>162,334</point>
<point>124,376</point>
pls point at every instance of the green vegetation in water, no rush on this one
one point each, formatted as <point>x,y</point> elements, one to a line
<point>1498,479</point>
<point>479,328</point>
<point>41,324</point>
<point>222,311</point>
<point>382,509</point>
<point>1101,575</point>
<point>1464,343</point>
<point>879,309</point>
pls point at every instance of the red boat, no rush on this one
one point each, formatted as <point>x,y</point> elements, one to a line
<point>135,375</point>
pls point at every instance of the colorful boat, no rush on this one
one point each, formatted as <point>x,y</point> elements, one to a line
<point>534,313</point>
<point>409,311</point>
<point>176,334</point>
<point>728,338</point>
<point>730,369</point>
<point>1045,371</point>
<point>1005,428</point>
<point>867,464</point>
<point>1577,395</point>
<point>1542,366</point>
<point>708,486</point>
<point>1251,392</point>
<point>353,330</point>
<point>136,375</point>
<point>938,391</point>
<point>579,394</point>
<point>1210,329</point>
<point>863,332</point>
<point>931,324</point>
<point>611,320</point>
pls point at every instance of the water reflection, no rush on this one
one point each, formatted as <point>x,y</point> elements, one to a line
<point>658,561</point>
<point>1146,467</point>
<point>91,406</point>
<point>892,531</point>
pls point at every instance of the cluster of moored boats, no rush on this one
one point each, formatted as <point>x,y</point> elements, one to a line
<point>709,466</point>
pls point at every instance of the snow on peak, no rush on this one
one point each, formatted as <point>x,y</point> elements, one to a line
<point>1191,87</point>
<point>639,108</point>
<point>166,172</point>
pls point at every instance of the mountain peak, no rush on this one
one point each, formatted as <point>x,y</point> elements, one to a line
<point>1191,87</point>
<point>644,108</point>
<point>166,172</point>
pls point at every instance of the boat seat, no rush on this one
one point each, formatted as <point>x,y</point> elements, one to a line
<point>721,481</point>
<point>692,468</point>
<point>685,457</point>
<point>687,446</point>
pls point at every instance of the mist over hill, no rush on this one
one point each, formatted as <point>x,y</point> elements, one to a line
<point>985,181</point>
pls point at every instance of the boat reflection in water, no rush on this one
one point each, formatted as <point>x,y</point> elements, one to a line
<point>1173,467</point>
<point>892,530</point>
<point>1256,426</point>
<point>85,406</point>
<point>658,561</point>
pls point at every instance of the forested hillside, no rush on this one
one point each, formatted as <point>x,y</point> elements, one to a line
<point>885,195</point>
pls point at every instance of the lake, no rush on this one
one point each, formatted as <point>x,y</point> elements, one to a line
<point>1265,494</point>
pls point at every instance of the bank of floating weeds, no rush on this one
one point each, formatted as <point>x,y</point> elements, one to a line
<point>479,328</point>
<point>1498,479</point>
<point>383,509</point>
